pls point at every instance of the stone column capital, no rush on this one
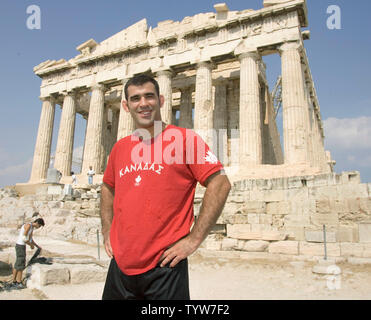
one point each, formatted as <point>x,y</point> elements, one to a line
<point>164,72</point>
<point>51,99</point>
<point>72,93</point>
<point>99,86</point>
<point>205,63</point>
<point>292,45</point>
<point>249,54</point>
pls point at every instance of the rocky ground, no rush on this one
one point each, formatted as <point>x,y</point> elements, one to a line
<point>217,278</point>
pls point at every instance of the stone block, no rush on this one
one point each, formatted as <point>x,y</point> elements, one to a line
<point>366,250</point>
<point>274,195</point>
<point>296,220</point>
<point>241,231</point>
<point>348,191</point>
<point>364,232</point>
<point>295,232</point>
<point>347,233</point>
<point>318,249</point>
<point>236,198</point>
<point>252,218</point>
<point>303,207</point>
<point>339,206</point>
<point>284,247</point>
<point>229,244</point>
<point>253,245</point>
<point>237,218</point>
<point>318,236</point>
<point>324,192</point>
<point>87,273</point>
<point>279,208</point>
<point>297,194</point>
<point>348,249</point>
<point>273,235</point>
<point>323,206</point>
<point>254,207</point>
<point>324,219</point>
<point>354,205</point>
<point>365,205</point>
<point>43,275</point>
<point>265,219</point>
<point>219,229</point>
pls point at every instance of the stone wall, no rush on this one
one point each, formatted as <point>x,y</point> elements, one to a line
<point>286,216</point>
<point>67,217</point>
<point>264,217</point>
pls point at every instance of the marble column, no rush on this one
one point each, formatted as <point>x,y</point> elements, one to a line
<point>94,132</point>
<point>185,116</point>
<point>250,148</point>
<point>126,123</point>
<point>63,155</point>
<point>221,121</point>
<point>41,157</point>
<point>203,115</point>
<point>295,113</point>
<point>164,82</point>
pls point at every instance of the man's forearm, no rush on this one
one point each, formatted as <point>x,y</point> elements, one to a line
<point>106,209</point>
<point>212,205</point>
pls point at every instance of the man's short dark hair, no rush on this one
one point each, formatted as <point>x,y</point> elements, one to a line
<point>40,221</point>
<point>140,80</point>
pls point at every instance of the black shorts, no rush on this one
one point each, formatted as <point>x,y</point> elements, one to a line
<point>20,262</point>
<point>156,284</point>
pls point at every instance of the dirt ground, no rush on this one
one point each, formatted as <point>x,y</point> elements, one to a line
<point>235,279</point>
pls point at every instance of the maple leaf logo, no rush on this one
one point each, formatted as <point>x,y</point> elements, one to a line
<point>210,157</point>
<point>138,179</point>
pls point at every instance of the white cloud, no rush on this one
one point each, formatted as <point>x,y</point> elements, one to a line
<point>348,133</point>
<point>18,169</point>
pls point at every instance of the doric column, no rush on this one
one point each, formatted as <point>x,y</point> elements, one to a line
<point>185,116</point>
<point>221,121</point>
<point>63,155</point>
<point>203,115</point>
<point>164,82</point>
<point>126,123</point>
<point>295,113</point>
<point>250,111</point>
<point>41,157</point>
<point>94,132</point>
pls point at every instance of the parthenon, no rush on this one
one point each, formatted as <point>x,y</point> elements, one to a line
<point>210,70</point>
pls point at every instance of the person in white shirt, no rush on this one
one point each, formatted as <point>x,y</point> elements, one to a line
<point>74,178</point>
<point>91,173</point>
<point>24,238</point>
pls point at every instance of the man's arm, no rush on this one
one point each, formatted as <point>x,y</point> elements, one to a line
<point>217,190</point>
<point>106,215</point>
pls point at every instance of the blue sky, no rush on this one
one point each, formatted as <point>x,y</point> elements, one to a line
<point>339,61</point>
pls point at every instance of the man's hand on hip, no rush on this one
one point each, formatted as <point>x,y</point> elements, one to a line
<point>178,251</point>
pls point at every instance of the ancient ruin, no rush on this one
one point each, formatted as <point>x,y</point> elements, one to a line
<point>209,65</point>
<point>211,72</point>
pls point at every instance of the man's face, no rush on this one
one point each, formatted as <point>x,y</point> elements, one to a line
<point>144,104</point>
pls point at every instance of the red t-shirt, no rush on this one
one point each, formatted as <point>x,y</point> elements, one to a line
<point>154,182</point>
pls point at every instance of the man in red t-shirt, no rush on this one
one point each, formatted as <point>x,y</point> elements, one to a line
<point>147,200</point>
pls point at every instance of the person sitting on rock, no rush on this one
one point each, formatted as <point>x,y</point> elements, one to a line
<point>25,237</point>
